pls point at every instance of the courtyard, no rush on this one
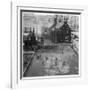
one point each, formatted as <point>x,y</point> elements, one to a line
<point>58,59</point>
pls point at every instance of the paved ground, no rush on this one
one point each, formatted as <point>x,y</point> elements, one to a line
<point>61,60</point>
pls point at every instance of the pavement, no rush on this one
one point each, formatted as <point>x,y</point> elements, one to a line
<point>61,60</point>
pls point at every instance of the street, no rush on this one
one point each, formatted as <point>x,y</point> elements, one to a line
<point>59,60</point>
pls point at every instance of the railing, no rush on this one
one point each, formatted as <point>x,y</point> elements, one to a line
<point>29,61</point>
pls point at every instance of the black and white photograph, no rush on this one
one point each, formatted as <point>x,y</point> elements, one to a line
<point>49,43</point>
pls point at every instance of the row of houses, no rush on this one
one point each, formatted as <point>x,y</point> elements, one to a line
<point>62,34</point>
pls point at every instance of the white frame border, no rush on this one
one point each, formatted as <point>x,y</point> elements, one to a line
<point>15,80</point>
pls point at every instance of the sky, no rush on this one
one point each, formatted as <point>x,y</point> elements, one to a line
<point>40,20</point>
